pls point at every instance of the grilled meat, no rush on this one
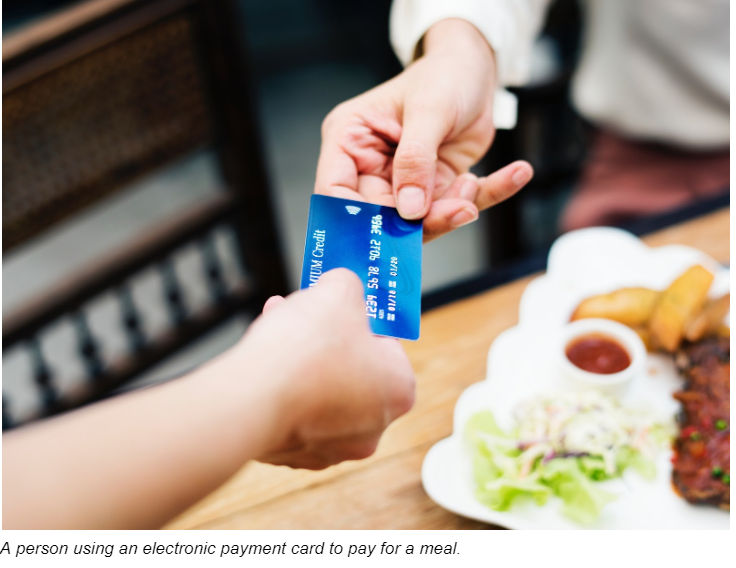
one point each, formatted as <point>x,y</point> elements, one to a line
<point>701,463</point>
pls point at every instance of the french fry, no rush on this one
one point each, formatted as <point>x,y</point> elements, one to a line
<point>677,306</point>
<point>709,320</point>
<point>630,306</point>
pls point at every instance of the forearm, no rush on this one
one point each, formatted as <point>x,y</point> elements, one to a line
<point>509,27</point>
<point>139,459</point>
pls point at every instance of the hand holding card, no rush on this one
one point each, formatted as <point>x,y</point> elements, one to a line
<point>381,247</point>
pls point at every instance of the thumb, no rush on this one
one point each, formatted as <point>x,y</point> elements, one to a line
<point>340,295</point>
<point>272,302</point>
<point>415,160</point>
<point>344,286</point>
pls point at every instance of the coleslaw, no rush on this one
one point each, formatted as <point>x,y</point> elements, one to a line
<point>562,445</point>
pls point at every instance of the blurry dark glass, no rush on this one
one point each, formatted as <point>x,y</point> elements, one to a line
<point>18,12</point>
<point>288,34</point>
<point>552,137</point>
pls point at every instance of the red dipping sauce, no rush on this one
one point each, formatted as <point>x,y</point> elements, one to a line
<point>598,353</point>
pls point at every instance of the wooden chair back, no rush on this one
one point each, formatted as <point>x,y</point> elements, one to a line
<point>95,98</point>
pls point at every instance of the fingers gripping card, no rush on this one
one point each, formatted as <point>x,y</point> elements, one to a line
<point>383,249</point>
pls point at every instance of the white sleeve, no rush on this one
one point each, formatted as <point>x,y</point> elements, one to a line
<point>509,26</point>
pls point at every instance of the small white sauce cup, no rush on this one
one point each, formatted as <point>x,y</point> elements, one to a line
<point>614,384</point>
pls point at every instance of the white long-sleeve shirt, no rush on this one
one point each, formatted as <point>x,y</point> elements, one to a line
<point>649,69</point>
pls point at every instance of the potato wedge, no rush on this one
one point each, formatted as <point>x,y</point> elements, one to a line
<point>677,306</point>
<point>643,332</point>
<point>630,306</point>
<point>709,319</point>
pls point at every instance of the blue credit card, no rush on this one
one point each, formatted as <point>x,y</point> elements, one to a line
<point>383,249</point>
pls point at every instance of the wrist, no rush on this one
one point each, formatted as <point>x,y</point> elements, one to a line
<point>250,398</point>
<point>457,36</point>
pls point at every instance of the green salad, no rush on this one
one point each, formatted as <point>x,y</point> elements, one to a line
<point>562,446</point>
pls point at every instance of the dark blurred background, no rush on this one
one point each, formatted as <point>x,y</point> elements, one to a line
<point>302,57</point>
<point>306,56</point>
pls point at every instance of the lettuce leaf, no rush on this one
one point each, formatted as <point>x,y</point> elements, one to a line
<point>500,493</point>
<point>496,466</point>
<point>495,451</point>
<point>594,467</point>
<point>569,445</point>
<point>499,484</point>
<point>484,422</point>
<point>582,500</point>
<point>629,457</point>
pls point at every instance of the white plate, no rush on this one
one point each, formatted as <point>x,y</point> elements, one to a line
<point>520,364</point>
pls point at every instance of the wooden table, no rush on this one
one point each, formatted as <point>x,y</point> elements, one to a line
<point>385,491</point>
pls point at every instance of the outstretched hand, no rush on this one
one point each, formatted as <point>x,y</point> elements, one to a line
<point>410,142</point>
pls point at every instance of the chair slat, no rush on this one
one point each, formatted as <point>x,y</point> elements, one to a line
<point>89,350</point>
<point>132,320</point>
<point>173,293</point>
<point>42,375</point>
<point>213,268</point>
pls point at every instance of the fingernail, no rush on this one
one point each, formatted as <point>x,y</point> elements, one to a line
<point>468,190</point>
<point>410,202</point>
<point>521,176</point>
<point>464,217</point>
